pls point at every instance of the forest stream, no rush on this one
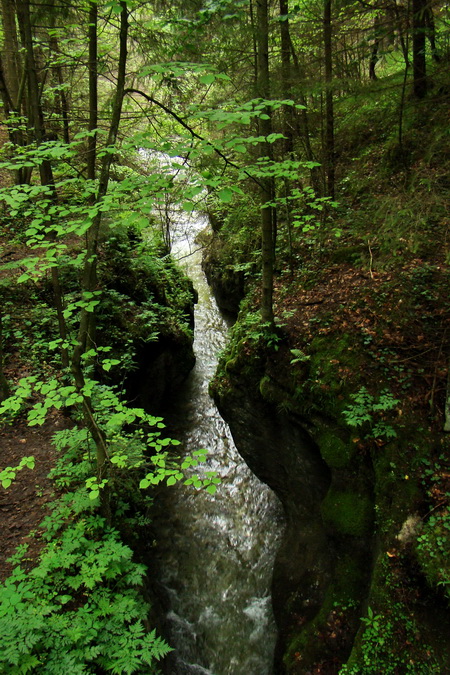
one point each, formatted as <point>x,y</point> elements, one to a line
<point>215,552</point>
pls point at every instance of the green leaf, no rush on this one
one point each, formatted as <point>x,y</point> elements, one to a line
<point>208,79</point>
<point>225,195</point>
<point>63,599</point>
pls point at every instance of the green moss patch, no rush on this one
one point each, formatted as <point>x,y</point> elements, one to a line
<point>347,513</point>
<point>334,451</point>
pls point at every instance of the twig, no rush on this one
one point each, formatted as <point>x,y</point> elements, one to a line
<point>188,255</point>
<point>433,387</point>
<point>434,508</point>
<point>184,124</point>
<point>371,259</point>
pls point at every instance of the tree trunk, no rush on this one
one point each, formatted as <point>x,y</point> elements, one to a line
<point>431,33</point>
<point>419,9</point>
<point>402,21</point>
<point>447,402</point>
<point>11,79</point>
<point>375,47</point>
<point>35,115</point>
<point>254,42</point>
<point>36,120</point>
<point>89,281</point>
<point>93,96</point>
<point>4,388</point>
<point>286,78</point>
<point>10,51</point>
<point>329,111</point>
<point>267,191</point>
<point>316,180</point>
<point>61,94</point>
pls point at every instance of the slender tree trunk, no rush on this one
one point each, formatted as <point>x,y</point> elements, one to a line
<point>36,119</point>
<point>93,96</point>
<point>254,42</point>
<point>61,95</point>
<point>286,78</point>
<point>288,113</point>
<point>431,32</point>
<point>419,9</point>
<point>267,191</point>
<point>89,280</point>
<point>329,110</point>
<point>11,81</point>
<point>10,51</point>
<point>316,180</point>
<point>4,388</point>
<point>91,158</point>
<point>375,47</point>
<point>402,18</point>
<point>447,403</point>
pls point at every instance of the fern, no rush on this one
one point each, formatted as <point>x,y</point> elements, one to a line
<point>80,608</point>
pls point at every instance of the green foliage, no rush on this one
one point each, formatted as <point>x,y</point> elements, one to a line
<point>251,327</point>
<point>366,411</point>
<point>80,608</point>
<point>44,624</point>
<point>130,447</point>
<point>299,356</point>
<point>433,549</point>
<point>380,649</point>
<point>81,605</point>
<point>8,475</point>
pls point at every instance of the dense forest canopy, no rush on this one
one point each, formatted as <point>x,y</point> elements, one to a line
<point>115,115</point>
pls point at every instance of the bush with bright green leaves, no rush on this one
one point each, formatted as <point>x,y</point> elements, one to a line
<point>367,411</point>
<point>80,608</point>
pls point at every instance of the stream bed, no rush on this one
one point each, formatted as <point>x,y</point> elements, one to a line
<point>215,553</point>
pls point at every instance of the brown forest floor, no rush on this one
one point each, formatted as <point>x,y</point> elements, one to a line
<point>402,327</point>
<point>22,505</point>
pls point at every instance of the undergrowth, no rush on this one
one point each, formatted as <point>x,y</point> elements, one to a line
<point>80,609</point>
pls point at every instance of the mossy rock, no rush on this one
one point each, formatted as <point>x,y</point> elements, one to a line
<point>347,513</point>
<point>433,551</point>
<point>232,365</point>
<point>332,355</point>
<point>341,607</point>
<point>270,391</point>
<point>336,453</point>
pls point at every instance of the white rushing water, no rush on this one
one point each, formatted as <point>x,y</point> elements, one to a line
<point>215,552</point>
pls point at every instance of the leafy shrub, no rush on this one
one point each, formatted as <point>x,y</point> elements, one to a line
<point>366,410</point>
<point>433,549</point>
<point>379,650</point>
<point>80,608</point>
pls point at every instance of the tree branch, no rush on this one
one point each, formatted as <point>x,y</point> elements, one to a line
<point>186,126</point>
